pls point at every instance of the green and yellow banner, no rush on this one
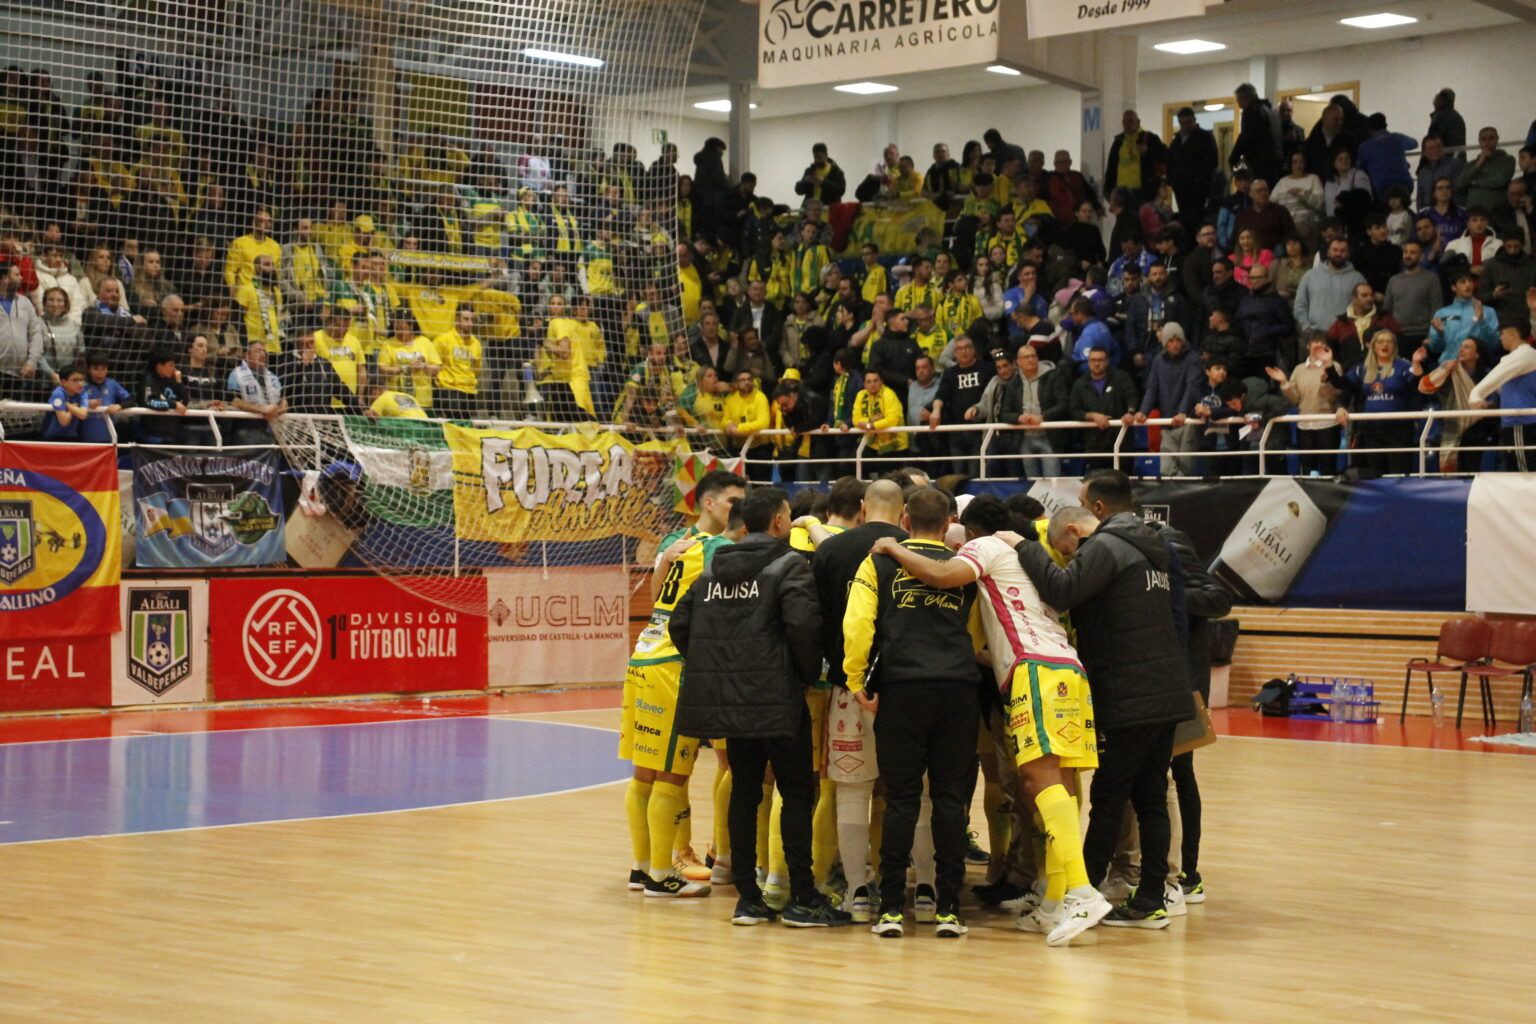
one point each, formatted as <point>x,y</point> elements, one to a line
<point>516,486</point>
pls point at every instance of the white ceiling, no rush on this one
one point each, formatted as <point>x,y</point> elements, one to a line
<point>1249,28</point>
<point>1255,28</point>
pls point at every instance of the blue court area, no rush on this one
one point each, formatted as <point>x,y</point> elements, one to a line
<point>163,782</point>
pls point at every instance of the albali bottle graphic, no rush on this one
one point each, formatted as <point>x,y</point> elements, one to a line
<point>1263,554</point>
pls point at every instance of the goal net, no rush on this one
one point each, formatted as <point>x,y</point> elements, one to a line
<point>465,205</point>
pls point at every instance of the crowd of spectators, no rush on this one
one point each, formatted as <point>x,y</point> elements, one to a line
<point>237,266</point>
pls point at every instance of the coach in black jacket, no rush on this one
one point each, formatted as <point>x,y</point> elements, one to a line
<point>1118,590</point>
<point>749,630</point>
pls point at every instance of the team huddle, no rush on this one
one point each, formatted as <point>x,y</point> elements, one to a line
<point>852,665</point>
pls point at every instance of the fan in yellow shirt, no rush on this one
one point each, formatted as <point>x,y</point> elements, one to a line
<point>746,413</point>
<point>702,403</point>
<point>386,404</point>
<point>585,336</point>
<point>876,281</point>
<point>564,382</point>
<point>959,309</point>
<point>564,231</point>
<point>239,264</point>
<point>920,291</point>
<point>409,360</point>
<point>459,354</point>
<point>343,349</point>
<point>690,283</point>
<point>262,301</point>
<point>1008,237</point>
<point>877,408</point>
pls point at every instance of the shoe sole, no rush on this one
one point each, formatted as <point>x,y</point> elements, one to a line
<point>888,933</point>
<point>676,895</point>
<point>1177,910</point>
<point>1028,927</point>
<point>1144,925</point>
<point>950,932</point>
<point>1099,913</point>
<point>806,924</point>
<point>1194,898</point>
<point>748,922</point>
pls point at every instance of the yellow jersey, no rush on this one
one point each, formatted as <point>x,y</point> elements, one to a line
<point>460,359</point>
<point>240,263</point>
<point>398,405</point>
<point>412,360</point>
<point>263,315</point>
<point>875,283</point>
<point>911,295</point>
<point>655,645</point>
<point>344,355</point>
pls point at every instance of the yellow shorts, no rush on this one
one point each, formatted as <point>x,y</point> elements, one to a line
<point>1050,711</point>
<point>817,699</point>
<point>654,743</point>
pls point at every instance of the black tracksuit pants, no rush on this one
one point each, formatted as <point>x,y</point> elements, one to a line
<point>795,776</point>
<point>926,728</point>
<point>1134,766</point>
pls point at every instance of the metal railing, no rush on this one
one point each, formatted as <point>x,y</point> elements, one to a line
<point>748,447</point>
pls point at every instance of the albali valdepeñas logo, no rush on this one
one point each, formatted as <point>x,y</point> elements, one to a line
<point>159,637</point>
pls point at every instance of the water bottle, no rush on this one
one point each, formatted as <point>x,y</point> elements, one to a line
<point>1527,714</point>
<point>1437,706</point>
<point>1336,701</point>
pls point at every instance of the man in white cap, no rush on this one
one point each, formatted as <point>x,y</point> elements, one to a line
<point>1174,386</point>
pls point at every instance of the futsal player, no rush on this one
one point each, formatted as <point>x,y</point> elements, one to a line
<point>656,802</point>
<point>1046,695</point>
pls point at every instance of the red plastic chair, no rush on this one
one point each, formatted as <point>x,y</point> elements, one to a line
<point>1463,642</point>
<point>1511,654</point>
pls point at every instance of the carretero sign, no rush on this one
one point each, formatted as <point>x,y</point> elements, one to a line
<point>801,42</point>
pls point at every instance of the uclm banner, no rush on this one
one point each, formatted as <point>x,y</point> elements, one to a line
<point>802,42</point>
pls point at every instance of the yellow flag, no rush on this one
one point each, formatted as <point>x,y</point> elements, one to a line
<point>516,486</point>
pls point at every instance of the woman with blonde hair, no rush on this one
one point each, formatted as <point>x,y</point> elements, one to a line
<point>1383,382</point>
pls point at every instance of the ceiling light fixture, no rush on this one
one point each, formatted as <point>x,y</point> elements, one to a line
<point>865,88</point>
<point>1378,21</point>
<point>719,106</point>
<point>1211,108</point>
<point>563,58</point>
<point>1003,69</point>
<point>1185,47</point>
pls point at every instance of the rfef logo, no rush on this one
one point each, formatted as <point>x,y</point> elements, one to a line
<point>281,637</point>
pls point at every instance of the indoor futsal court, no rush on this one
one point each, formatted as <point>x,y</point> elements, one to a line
<point>456,862</point>
<point>767,511</point>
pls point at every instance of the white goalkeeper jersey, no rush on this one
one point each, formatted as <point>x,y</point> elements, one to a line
<point>1020,625</point>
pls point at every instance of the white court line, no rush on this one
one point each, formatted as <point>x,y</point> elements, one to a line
<point>315,817</point>
<point>1220,738</point>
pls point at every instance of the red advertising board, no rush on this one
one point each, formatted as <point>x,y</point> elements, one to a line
<point>324,636</point>
<point>52,674</point>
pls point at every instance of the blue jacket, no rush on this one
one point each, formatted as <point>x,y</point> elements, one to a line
<point>1094,335</point>
<point>109,392</point>
<point>1146,308</point>
<point>1142,262</point>
<point>1459,326</point>
<point>1384,156</point>
<point>1174,385</point>
<point>60,400</point>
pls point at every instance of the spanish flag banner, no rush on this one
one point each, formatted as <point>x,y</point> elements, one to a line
<point>516,486</point>
<point>60,540</point>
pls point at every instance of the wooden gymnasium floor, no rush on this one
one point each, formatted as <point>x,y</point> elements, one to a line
<point>1382,879</point>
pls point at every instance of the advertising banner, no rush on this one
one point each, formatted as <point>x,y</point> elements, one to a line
<point>517,486</point>
<point>1337,543</point>
<point>894,226</point>
<point>322,636</point>
<point>161,656</point>
<point>1501,544</point>
<point>60,535</point>
<point>55,673</point>
<point>1064,17</point>
<point>196,511</point>
<point>802,42</point>
<point>567,626</point>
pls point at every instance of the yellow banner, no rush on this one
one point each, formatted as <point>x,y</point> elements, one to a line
<point>894,226</point>
<point>516,486</point>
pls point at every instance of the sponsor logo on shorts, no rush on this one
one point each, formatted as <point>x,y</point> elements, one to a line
<point>1061,690</point>
<point>645,748</point>
<point>650,709</point>
<point>1070,732</point>
<point>642,727</point>
<point>847,745</point>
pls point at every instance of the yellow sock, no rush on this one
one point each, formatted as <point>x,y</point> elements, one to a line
<point>876,832</point>
<point>1050,864</point>
<point>722,815</point>
<point>1064,836</point>
<point>683,838</point>
<point>636,797</point>
<point>764,816</point>
<point>824,832</point>
<point>1041,848</point>
<point>994,803</point>
<point>669,803</point>
<point>778,864</point>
